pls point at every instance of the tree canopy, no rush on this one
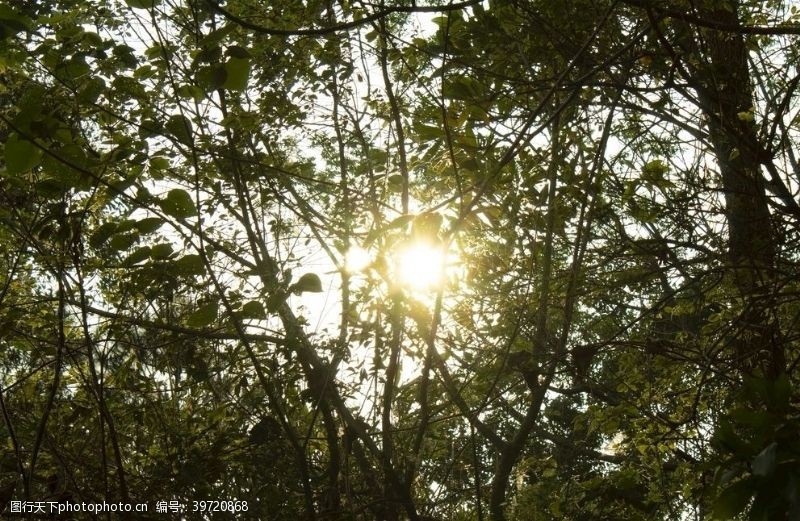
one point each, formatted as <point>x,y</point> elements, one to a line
<point>477,260</point>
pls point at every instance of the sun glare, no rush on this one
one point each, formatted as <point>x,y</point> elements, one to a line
<point>420,266</point>
<point>356,259</point>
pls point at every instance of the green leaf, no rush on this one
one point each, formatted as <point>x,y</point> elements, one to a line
<point>190,91</point>
<point>764,464</point>
<point>217,35</point>
<point>123,241</point>
<point>149,224</point>
<point>726,437</point>
<point>398,223</point>
<point>178,203</point>
<point>733,500</point>
<point>396,182</point>
<point>757,389</point>
<point>427,225</point>
<point>204,315</point>
<point>190,265</point>
<point>92,89</point>
<point>139,254</point>
<point>150,128</point>
<point>74,69</point>
<point>161,251</point>
<point>781,392</point>
<point>181,129</point>
<point>308,283</point>
<point>102,233</point>
<point>401,221</point>
<point>159,163</point>
<point>236,51</point>
<point>51,188</point>
<point>654,170</point>
<point>12,22</point>
<point>462,88</point>
<point>428,132</point>
<point>237,72</point>
<point>141,4</point>
<point>126,226</point>
<point>212,77</point>
<point>21,155</point>
<point>254,309</point>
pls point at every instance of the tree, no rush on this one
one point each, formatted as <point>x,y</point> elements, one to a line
<point>474,260</point>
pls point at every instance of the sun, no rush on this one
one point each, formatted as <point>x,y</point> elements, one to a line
<point>421,266</point>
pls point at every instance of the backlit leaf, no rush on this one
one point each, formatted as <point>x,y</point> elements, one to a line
<point>253,309</point>
<point>204,315</point>
<point>238,71</point>
<point>21,155</point>
<point>178,203</point>
<point>310,282</point>
<point>181,129</point>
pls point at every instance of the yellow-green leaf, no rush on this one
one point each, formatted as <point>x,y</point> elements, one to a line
<point>204,315</point>
<point>253,309</point>
<point>237,72</point>
<point>309,282</point>
<point>178,203</point>
<point>21,155</point>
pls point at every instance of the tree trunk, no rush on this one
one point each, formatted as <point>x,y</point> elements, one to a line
<point>722,82</point>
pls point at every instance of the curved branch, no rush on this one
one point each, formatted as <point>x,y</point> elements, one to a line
<point>774,30</point>
<point>321,31</point>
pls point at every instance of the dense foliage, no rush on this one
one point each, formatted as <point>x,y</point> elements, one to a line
<point>204,209</point>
